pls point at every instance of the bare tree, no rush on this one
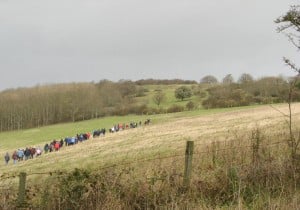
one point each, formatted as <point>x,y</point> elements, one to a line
<point>209,79</point>
<point>289,25</point>
<point>159,97</point>
<point>228,79</point>
<point>245,78</point>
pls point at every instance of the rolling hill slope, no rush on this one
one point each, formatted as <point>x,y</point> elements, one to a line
<point>167,134</point>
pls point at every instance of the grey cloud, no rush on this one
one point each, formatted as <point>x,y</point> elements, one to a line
<point>63,41</point>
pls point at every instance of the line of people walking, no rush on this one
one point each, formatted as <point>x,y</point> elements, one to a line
<point>55,145</point>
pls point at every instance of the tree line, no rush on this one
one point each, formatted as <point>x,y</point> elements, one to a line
<point>43,105</point>
<point>247,91</point>
<point>49,104</point>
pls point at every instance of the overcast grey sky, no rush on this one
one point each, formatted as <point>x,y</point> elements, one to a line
<point>56,41</point>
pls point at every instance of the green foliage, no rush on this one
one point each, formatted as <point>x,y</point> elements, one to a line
<point>298,85</point>
<point>73,187</point>
<point>183,92</point>
<point>168,91</point>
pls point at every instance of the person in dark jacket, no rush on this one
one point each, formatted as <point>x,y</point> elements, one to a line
<point>27,153</point>
<point>46,148</point>
<point>6,158</point>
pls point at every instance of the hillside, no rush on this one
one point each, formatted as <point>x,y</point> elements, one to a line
<point>166,134</point>
<point>38,106</point>
<point>170,99</point>
<point>147,146</point>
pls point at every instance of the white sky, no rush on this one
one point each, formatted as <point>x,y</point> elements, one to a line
<point>58,41</point>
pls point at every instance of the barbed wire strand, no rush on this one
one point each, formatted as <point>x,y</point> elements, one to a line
<point>209,146</point>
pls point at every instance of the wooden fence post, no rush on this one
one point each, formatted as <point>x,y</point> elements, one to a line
<point>22,191</point>
<point>214,151</point>
<point>188,163</point>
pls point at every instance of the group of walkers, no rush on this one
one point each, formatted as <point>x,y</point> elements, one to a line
<point>55,145</point>
<point>120,127</point>
<point>23,154</point>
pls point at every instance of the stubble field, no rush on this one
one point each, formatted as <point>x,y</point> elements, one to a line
<point>161,137</point>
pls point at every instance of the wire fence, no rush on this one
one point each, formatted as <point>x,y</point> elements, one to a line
<point>179,152</point>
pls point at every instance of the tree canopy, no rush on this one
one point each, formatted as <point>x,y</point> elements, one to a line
<point>209,79</point>
<point>183,92</point>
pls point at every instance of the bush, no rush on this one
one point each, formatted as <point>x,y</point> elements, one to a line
<point>152,110</point>
<point>232,96</point>
<point>190,105</point>
<point>175,108</point>
<point>141,92</point>
<point>143,109</point>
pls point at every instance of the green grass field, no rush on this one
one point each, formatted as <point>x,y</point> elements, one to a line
<point>169,91</point>
<point>155,141</point>
<point>37,136</point>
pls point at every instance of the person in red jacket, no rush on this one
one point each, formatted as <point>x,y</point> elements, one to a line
<point>56,146</point>
<point>15,157</point>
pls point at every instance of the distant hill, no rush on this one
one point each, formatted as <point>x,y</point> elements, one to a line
<point>50,104</point>
<point>58,103</point>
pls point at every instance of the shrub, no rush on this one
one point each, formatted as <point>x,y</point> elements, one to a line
<point>175,108</point>
<point>142,109</point>
<point>141,92</point>
<point>190,105</point>
<point>232,96</point>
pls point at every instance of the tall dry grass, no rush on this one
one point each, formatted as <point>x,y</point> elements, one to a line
<point>249,171</point>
